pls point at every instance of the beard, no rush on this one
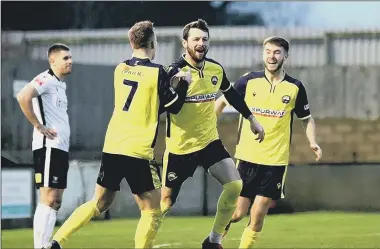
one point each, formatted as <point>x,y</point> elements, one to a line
<point>279,66</point>
<point>195,57</point>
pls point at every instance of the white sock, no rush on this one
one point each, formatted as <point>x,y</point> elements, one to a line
<point>215,237</point>
<point>43,225</point>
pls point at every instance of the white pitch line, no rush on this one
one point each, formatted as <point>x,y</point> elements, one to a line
<point>166,245</point>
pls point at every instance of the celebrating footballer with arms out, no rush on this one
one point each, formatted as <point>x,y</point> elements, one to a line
<point>192,138</point>
<point>273,97</point>
<point>142,92</point>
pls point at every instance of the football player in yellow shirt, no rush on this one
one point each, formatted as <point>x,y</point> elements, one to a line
<point>272,96</point>
<point>192,138</point>
<point>142,92</point>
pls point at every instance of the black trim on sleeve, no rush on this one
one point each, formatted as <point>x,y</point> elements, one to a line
<point>237,102</point>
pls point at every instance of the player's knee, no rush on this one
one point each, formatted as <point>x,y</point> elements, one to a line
<point>102,204</point>
<point>257,219</point>
<point>169,199</point>
<point>57,204</point>
<point>53,202</point>
<point>233,188</point>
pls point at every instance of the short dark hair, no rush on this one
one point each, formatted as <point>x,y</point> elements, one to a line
<point>279,41</point>
<point>199,24</point>
<point>56,48</point>
<point>140,35</point>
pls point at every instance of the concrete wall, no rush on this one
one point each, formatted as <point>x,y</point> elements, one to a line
<point>343,187</point>
<point>307,188</point>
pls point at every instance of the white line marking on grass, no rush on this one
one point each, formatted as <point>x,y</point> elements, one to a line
<point>234,239</point>
<point>166,245</point>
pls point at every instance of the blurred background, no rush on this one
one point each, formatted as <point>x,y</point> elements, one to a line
<point>335,52</point>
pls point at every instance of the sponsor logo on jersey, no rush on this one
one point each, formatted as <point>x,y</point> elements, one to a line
<point>60,103</point>
<point>267,112</point>
<point>201,98</point>
<point>39,81</point>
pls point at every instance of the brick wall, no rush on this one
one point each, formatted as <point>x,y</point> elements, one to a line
<point>340,140</point>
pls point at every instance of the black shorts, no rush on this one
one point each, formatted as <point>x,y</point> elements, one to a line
<point>263,180</point>
<point>50,167</point>
<point>177,168</point>
<point>141,175</point>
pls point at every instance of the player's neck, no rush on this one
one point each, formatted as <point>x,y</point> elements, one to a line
<point>193,62</point>
<point>57,74</point>
<point>276,77</point>
<point>141,54</point>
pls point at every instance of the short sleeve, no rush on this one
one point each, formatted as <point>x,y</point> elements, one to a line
<point>41,83</point>
<point>301,108</point>
<point>226,84</point>
<point>241,85</point>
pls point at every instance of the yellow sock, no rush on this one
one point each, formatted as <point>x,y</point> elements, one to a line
<point>81,216</point>
<point>147,228</point>
<point>248,238</point>
<point>226,205</point>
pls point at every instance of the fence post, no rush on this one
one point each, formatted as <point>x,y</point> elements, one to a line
<point>329,48</point>
<point>177,47</point>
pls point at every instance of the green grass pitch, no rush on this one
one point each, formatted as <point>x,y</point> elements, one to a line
<point>301,230</point>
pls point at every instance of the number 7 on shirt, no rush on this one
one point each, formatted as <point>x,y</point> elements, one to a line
<point>134,85</point>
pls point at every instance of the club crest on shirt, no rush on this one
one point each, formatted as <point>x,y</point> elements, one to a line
<point>286,99</point>
<point>172,176</point>
<point>214,80</point>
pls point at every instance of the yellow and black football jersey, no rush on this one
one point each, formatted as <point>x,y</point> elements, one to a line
<point>194,127</point>
<point>273,106</point>
<point>142,90</point>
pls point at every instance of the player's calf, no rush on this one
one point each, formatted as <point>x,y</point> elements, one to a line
<point>45,215</point>
<point>258,212</point>
<point>236,217</point>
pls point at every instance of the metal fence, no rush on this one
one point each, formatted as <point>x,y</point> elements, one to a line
<point>234,47</point>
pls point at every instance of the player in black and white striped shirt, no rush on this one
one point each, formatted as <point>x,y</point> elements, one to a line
<point>44,103</point>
